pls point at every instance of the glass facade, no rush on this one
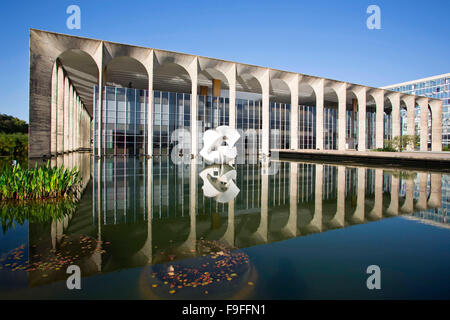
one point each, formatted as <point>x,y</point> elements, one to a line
<point>330,128</point>
<point>249,122</point>
<point>124,121</point>
<point>171,111</point>
<point>438,88</point>
<point>306,127</point>
<point>280,119</point>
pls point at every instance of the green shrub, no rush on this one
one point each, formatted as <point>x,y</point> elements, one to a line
<point>10,124</point>
<point>13,146</point>
<point>38,183</point>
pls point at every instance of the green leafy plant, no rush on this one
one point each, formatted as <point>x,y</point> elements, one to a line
<point>37,183</point>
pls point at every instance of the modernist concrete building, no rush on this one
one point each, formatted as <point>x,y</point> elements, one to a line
<point>146,94</point>
<point>433,87</point>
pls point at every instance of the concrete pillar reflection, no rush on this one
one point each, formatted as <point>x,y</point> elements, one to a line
<point>339,218</point>
<point>147,248</point>
<point>435,198</point>
<point>316,222</point>
<point>290,229</point>
<point>421,203</point>
<point>395,187</point>
<point>228,236</point>
<point>262,231</point>
<point>190,244</point>
<point>377,211</point>
<point>359,214</point>
<point>408,205</point>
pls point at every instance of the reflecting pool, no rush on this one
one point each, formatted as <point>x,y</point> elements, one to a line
<point>152,229</point>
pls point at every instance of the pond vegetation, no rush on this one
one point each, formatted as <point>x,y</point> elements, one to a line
<point>42,182</point>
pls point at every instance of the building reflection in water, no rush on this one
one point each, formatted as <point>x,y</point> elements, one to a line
<point>136,208</point>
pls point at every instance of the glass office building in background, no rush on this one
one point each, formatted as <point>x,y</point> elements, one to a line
<point>432,87</point>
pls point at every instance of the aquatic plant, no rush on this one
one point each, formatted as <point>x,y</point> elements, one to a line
<point>34,211</point>
<point>38,183</point>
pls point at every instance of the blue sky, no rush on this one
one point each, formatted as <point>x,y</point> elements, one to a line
<point>323,38</point>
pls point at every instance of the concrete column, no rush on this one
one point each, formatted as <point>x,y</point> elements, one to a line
<point>78,125</point>
<point>421,203</point>
<point>319,91</point>
<point>341,91</point>
<point>410,117</point>
<point>358,216</point>
<point>70,119</point>
<point>423,103</point>
<point>66,113</point>
<point>265,84</point>
<point>100,101</point>
<point>232,86</point>
<point>293,85</point>
<point>54,115</point>
<point>434,201</point>
<point>377,211</point>
<point>60,112</point>
<point>150,104</point>
<point>393,206</point>
<point>193,69</point>
<point>395,102</point>
<point>290,229</point>
<point>362,103</point>
<point>436,125</point>
<point>379,118</point>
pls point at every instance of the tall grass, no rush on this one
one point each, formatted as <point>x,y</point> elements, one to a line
<point>37,183</point>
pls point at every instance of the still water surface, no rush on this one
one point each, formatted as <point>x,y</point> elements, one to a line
<point>150,229</point>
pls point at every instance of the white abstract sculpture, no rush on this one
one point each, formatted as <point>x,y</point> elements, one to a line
<point>218,183</point>
<point>218,145</point>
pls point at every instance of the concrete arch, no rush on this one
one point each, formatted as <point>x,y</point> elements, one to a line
<point>45,49</point>
<point>74,75</point>
<point>250,80</point>
<point>125,71</point>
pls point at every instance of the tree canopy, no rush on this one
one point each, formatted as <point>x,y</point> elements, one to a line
<point>10,124</point>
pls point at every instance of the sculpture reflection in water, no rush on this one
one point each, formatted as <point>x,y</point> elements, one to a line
<point>139,212</point>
